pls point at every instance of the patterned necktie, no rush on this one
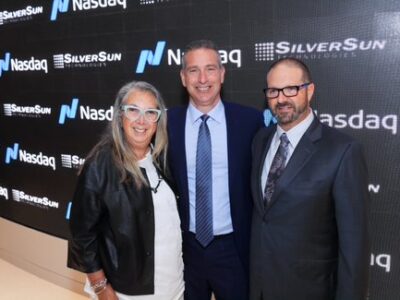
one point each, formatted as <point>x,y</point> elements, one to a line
<point>204,225</point>
<point>277,167</point>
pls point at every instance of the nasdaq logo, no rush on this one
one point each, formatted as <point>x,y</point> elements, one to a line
<point>150,57</point>
<point>374,188</point>
<point>59,6</point>
<point>174,57</point>
<point>20,65</point>
<point>269,119</point>
<point>12,153</point>
<point>5,63</point>
<point>382,260</point>
<point>4,192</point>
<point>68,212</point>
<point>68,111</point>
<point>233,56</point>
<point>95,4</point>
<point>361,120</point>
<point>85,112</point>
<point>94,114</point>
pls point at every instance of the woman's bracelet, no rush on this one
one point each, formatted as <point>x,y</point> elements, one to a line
<point>99,286</point>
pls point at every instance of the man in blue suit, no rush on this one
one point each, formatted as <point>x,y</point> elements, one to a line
<point>309,238</point>
<point>215,211</point>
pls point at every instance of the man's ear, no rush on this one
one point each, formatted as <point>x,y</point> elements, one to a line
<point>310,91</point>
<point>222,74</point>
<point>183,79</point>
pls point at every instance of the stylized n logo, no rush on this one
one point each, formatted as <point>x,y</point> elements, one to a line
<point>153,59</point>
<point>5,63</point>
<point>269,119</point>
<point>68,213</point>
<point>58,6</point>
<point>12,153</point>
<point>67,111</point>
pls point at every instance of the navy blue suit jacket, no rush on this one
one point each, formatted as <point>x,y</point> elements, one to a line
<point>242,123</point>
<point>311,242</point>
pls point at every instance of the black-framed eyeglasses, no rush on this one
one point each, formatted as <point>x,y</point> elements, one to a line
<point>133,113</point>
<point>288,91</point>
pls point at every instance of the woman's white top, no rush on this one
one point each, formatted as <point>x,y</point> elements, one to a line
<point>168,263</point>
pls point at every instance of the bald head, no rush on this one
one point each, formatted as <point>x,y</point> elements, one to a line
<point>294,63</point>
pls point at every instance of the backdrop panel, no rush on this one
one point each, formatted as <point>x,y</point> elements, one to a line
<point>62,62</point>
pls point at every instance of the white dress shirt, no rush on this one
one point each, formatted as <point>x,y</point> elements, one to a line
<point>222,221</point>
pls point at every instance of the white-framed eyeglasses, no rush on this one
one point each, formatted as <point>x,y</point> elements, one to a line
<point>133,113</point>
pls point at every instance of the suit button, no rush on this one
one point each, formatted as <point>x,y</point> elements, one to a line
<point>148,253</point>
<point>148,212</point>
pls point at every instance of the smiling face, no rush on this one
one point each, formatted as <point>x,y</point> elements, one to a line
<point>203,77</point>
<point>140,132</point>
<point>289,111</point>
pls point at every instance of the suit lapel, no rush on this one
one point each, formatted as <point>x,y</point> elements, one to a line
<point>179,148</point>
<point>301,155</point>
<point>231,143</point>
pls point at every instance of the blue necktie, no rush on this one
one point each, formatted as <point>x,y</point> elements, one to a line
<point>277,167</point>
<point>204,225</point>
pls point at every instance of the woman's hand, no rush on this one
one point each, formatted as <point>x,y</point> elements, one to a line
<point>108,294</point>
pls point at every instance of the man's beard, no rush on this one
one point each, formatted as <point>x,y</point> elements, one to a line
<point>292,115</point>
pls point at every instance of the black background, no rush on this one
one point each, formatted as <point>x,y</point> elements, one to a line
<point>346,82</point>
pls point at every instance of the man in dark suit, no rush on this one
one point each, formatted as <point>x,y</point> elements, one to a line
<point>210,159</point>
<point>309,238</point>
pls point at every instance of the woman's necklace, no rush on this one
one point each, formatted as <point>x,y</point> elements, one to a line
<point>155,189</point>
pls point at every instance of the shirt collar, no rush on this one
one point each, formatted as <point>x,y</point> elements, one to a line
<point>294,134</point>
<point>216,114</point>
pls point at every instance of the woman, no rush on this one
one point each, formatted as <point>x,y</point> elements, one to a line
<point>124,220</point>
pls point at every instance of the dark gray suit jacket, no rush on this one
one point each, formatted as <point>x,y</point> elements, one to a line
<point>311,242</point>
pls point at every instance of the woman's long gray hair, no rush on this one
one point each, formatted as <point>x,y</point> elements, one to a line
<point>124,158</point>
